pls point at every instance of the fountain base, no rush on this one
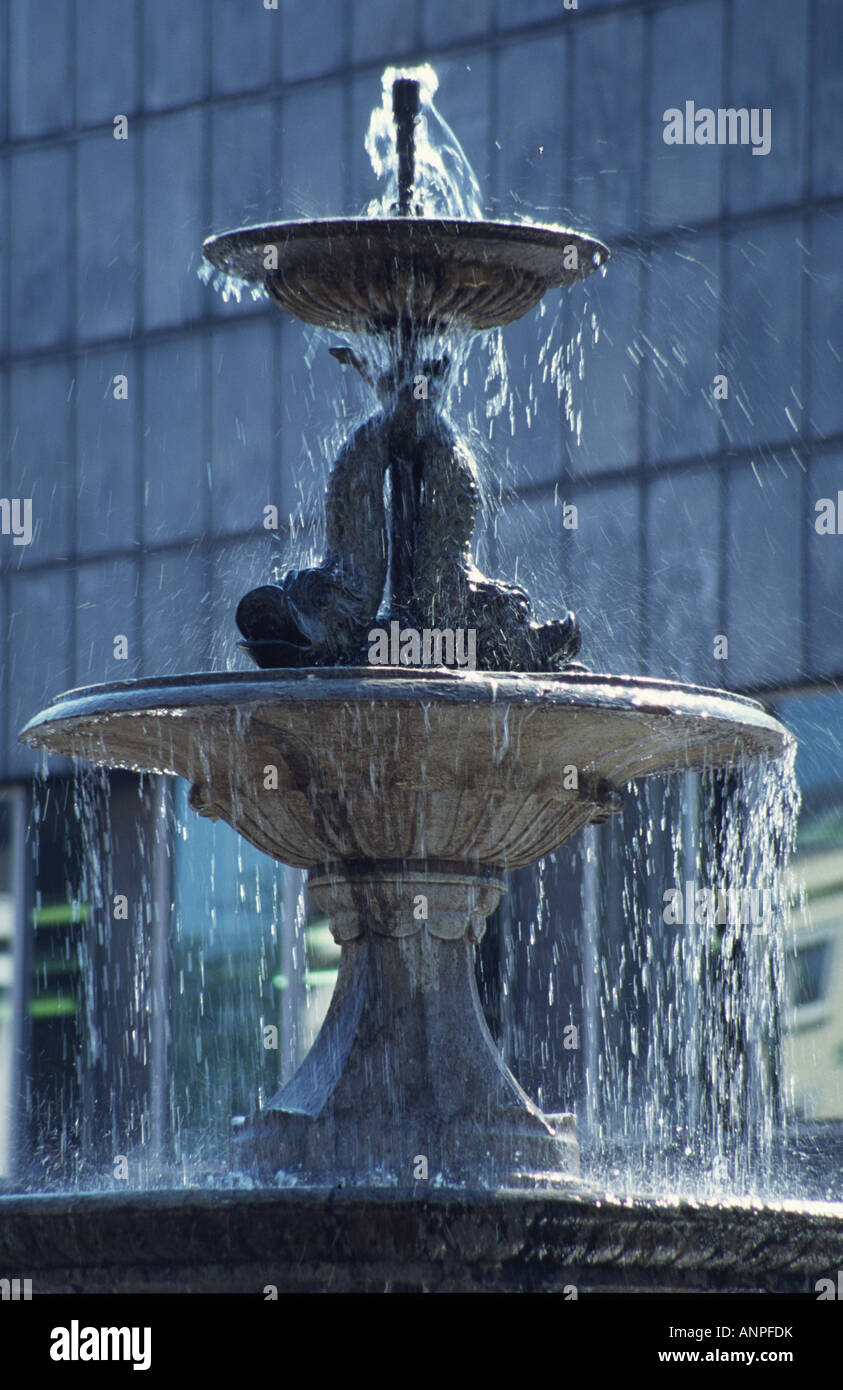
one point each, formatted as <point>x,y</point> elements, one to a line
<point>404,1082</point>
<point>324,1241</point>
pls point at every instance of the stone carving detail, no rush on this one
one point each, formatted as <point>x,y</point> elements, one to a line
<point>321,616</point>
<point>449,904</point>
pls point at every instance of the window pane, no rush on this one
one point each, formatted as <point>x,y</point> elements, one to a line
<point>9,931</point>
<point>814,1046</point>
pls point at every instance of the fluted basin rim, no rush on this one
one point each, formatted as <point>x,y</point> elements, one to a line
<point>402,684</point>
<point>641,694</point>
<point>585,688</point>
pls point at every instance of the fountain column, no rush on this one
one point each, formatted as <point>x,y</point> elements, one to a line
<point>404,1078</point>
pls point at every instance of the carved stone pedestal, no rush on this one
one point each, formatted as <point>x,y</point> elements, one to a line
<point>404,1079</point>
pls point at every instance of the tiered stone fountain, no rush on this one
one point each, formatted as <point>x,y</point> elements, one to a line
<point>407,792</point>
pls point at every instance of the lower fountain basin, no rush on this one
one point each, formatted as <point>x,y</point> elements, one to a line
<point>326,766</point>
<point>406,795</point>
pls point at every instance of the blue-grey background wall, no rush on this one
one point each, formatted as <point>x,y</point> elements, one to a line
<point>696,516</point>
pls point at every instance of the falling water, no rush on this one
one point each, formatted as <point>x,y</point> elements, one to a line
<point>188,945</point>
<point>676,1072</point>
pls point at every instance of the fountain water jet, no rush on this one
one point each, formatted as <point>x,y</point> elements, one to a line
<point>406,793</point>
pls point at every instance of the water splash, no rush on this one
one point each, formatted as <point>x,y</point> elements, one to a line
<point>446,185</point>
<point>229,286</point>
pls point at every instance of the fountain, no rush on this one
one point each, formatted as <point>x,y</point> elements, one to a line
<point>407,786</point>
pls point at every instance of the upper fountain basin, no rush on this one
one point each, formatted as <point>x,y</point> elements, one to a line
<point>372,274</point>
<point>338,764</point>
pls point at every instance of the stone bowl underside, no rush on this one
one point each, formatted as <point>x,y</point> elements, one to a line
<point>354,274</point>
<point>316,767</point>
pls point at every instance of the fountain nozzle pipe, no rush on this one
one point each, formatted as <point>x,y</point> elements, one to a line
<point>406,103</point>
